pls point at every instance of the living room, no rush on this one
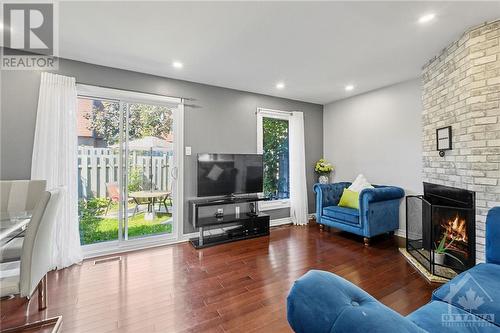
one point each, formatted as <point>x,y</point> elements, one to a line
<point>250,166</point>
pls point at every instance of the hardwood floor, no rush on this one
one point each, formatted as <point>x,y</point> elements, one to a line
<point>237,287</point>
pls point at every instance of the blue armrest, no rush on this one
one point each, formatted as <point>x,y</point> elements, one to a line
<point>322,302</point>
<point>493,236</point>
<point>382,193</point>
<point>379,209</point>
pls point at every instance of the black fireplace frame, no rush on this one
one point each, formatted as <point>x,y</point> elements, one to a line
<point>438,197</point>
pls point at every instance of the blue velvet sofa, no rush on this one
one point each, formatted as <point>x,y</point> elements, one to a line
<point>378,209</point>
<point>321,302</point>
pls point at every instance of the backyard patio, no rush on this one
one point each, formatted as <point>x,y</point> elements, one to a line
<point>147,162</point>
<point>98,226</point>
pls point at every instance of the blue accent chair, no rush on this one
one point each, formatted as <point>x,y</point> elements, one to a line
<point>378,209</point>
<point>322,302</point>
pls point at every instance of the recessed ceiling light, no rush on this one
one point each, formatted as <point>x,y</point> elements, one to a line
<point>177,64</point>
<point>427,18</point>
<point>349,87</point>
<point>280,85</point>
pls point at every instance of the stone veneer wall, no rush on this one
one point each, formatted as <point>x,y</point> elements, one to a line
<point>461,88</point>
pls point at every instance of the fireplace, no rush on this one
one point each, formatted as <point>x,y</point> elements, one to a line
<point>440,229</point>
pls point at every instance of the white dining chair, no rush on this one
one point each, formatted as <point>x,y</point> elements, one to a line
<point>36,262</point>
<point>36,256</point>
<point>20,195</point>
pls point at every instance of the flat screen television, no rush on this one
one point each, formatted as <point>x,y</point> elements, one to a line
<point>227,174</point>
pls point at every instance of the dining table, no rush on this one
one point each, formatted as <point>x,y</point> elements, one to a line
<point>152,198</point>
<point>12,225</point>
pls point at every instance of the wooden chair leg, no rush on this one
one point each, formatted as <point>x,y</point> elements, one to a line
<point>42,294</point>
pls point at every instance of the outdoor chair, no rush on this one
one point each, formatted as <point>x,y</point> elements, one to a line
<point>113,195</point>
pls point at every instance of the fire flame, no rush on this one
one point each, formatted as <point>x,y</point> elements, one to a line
<point>456,229</point>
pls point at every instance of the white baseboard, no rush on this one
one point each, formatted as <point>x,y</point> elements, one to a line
<point>277,222</point>
<point>400,233</point>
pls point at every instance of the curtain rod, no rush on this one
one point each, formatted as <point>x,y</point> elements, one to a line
<point>263,110</point>
<point>135,91</point>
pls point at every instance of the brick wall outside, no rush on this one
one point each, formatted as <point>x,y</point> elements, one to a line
<point>461,88</point>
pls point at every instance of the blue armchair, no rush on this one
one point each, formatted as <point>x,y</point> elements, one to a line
<point>378,209</point>
<point>322,302</point>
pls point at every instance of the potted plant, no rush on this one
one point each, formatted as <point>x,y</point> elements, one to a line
<point>323,168</point>
<point>441,250</point>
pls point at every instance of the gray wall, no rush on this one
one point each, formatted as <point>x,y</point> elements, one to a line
<point>379,135</point>
<point>218,120</point>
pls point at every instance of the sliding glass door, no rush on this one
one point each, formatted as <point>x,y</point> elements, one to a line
<point>149,166</point>
<point>127,166</point>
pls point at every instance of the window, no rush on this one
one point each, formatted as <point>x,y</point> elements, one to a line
<point>126,160</point>
<point>273,143</point>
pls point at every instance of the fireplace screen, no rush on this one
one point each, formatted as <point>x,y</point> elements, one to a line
<point>441,236</point>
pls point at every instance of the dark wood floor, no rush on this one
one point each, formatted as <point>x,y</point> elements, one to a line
<point>238,287</point>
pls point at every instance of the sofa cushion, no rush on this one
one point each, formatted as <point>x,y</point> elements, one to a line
<point>441,317</point>
<point>349,199</point>
<point>476,290</point>
<point>322,302</point>
<point>344,214</point>
<point>359,184</point>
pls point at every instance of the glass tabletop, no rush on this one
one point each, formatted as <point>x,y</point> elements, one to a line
<point>13,224</point>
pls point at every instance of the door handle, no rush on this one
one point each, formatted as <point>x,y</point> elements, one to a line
<point>174,172</point>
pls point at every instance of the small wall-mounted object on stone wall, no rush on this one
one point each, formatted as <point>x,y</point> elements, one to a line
<point>443,139</point>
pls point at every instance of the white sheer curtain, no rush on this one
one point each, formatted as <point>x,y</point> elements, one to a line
<point>298,186</point>
<point>55,160</point>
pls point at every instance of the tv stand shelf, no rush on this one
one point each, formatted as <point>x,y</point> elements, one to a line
<point>243,226</point>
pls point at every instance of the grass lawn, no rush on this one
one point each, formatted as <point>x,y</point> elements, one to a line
<point>95,229</point>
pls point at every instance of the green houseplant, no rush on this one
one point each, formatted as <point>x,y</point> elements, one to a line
<point>441,250</point>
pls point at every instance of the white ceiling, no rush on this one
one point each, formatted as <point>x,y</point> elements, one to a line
<point>316,48</point>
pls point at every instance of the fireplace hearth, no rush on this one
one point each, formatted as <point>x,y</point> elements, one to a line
<point>440,229</point>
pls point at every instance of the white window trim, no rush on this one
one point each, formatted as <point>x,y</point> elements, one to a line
<point>278,114</point>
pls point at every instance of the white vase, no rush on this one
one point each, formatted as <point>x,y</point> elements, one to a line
<point>323,179</point>
<point>439,258</point>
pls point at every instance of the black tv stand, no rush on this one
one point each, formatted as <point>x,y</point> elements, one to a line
<point>243,226</point>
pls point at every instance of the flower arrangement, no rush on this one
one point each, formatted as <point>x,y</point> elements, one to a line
<point>323,167</point>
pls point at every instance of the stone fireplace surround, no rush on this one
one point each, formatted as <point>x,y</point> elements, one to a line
<point>461,88</point>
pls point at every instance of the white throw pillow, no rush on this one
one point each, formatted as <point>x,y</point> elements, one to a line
<point>359,184</point>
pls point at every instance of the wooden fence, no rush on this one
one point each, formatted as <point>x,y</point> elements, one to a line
<point>99,166</point>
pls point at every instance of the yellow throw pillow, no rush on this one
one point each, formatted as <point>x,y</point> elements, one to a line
<point>349,199</point>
